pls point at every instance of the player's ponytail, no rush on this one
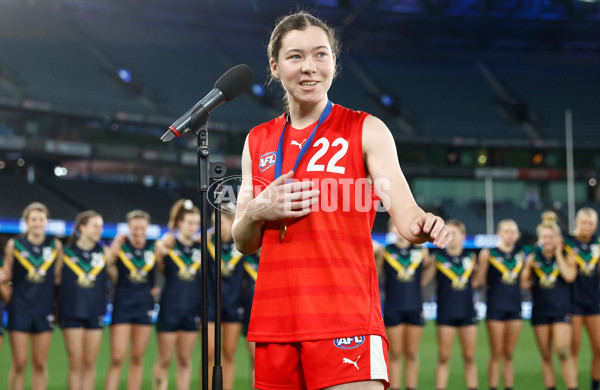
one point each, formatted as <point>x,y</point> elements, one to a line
<point>549,221</point>
<point>81,219</point>
<point>179,210</point>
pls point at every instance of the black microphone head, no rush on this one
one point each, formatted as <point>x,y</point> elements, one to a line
<point>235,81</point>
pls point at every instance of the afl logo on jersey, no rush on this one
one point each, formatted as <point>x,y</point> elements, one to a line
<point>349,342</point>
<point>266,161</point>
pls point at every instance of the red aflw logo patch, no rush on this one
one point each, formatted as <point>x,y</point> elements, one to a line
<point>349,342</point>
<point>266,161</point>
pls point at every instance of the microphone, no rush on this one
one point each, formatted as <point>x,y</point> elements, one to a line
<point>235,81</point>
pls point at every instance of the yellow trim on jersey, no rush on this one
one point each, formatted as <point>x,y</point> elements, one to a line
<point>458,282</point>
<point>580,261</point>
<point>448,272</point>
<point>24,262</point>
<point>180,263</point>
<point>31,269</point>
<point>546,280</point>
<point>232,261</point>
<point>131,267</point>
<point>81,273</point>
<point>253,274</point>
<point>211,249</point>
<point>395,264</point>
<point>506,273</point>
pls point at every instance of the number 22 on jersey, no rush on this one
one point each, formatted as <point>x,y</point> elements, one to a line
<point>315,163</point>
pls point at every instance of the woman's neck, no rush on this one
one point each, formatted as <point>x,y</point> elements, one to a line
<point>454,250</point>
<point>86,243</point>
<point>548,253</point>
<point>402,244</point>
<point>35,239</point>
<point>506,248</point>
<point>303,115</point>
<point>137,243</point>
<point>185,240</point>
<point>583,239</point>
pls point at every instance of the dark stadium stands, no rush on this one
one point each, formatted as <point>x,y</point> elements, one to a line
<point>113,201</point>
<point>66,74</point>
<point>16,193</point>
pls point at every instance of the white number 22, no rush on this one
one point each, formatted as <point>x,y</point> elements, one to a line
<point>331,167</point>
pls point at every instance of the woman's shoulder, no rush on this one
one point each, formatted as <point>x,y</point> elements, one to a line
<point>268,126</point>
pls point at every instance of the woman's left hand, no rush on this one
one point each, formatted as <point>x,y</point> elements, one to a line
<point>431,228</point>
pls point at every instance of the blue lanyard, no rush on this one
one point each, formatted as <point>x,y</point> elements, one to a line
<point>307,144</point>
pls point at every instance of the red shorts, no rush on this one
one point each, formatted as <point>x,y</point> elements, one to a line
<point>321,363</point>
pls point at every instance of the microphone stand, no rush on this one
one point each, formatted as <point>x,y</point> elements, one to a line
<point>208,172</point>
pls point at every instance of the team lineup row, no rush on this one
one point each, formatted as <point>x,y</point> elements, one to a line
<point>561,273</point>
<point>37,269</point>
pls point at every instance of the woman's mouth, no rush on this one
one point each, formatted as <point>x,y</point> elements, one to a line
<point>308,83</point>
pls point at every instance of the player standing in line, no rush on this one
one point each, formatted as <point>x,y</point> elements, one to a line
<point>31,262</point>
<point>82,298</point>
<point>500,269</point>
<point>316,314</point>
<point>455,280</point>
<point>548,273</point>
<point>5,291</point>
<point>179,315</point>
<point>584,247</point>
<point>250,274</point>
<point>131,267</point>
<point>401,264</point>
<point>232,270</point>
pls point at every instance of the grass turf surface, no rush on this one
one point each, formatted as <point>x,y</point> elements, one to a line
<point>527,363</point>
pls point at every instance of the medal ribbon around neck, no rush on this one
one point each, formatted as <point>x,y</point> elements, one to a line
<point>397,265</point>
<point>28,264</point>
<point>307,144</point>
<point>303,150</point>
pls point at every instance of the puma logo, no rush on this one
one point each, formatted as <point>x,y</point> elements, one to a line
<point>299,145</point>
<point>346,360</point>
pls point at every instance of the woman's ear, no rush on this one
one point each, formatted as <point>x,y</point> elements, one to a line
<point>274,68</point>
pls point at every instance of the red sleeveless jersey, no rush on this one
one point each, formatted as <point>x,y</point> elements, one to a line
<point>320,281</point>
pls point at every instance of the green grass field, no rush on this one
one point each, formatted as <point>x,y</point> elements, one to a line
<point>527,363</point>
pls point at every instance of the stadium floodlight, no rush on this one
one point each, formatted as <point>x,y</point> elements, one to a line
<point>387,99</point>
<point>124,74</point>
<point>258,89</point>
<point>60,171</point>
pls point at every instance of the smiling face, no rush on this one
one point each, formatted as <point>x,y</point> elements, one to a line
<point>305,65</point>
<point>585,225</point>
<point>138,228</point>
<point>36,221</point>
<point>508,232</point>
<point>548,238</point>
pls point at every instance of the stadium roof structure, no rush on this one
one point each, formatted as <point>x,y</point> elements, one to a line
<point>200,39</point>
<point>401,26</point>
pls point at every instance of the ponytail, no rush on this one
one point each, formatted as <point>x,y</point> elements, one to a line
<point>81,219</point>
